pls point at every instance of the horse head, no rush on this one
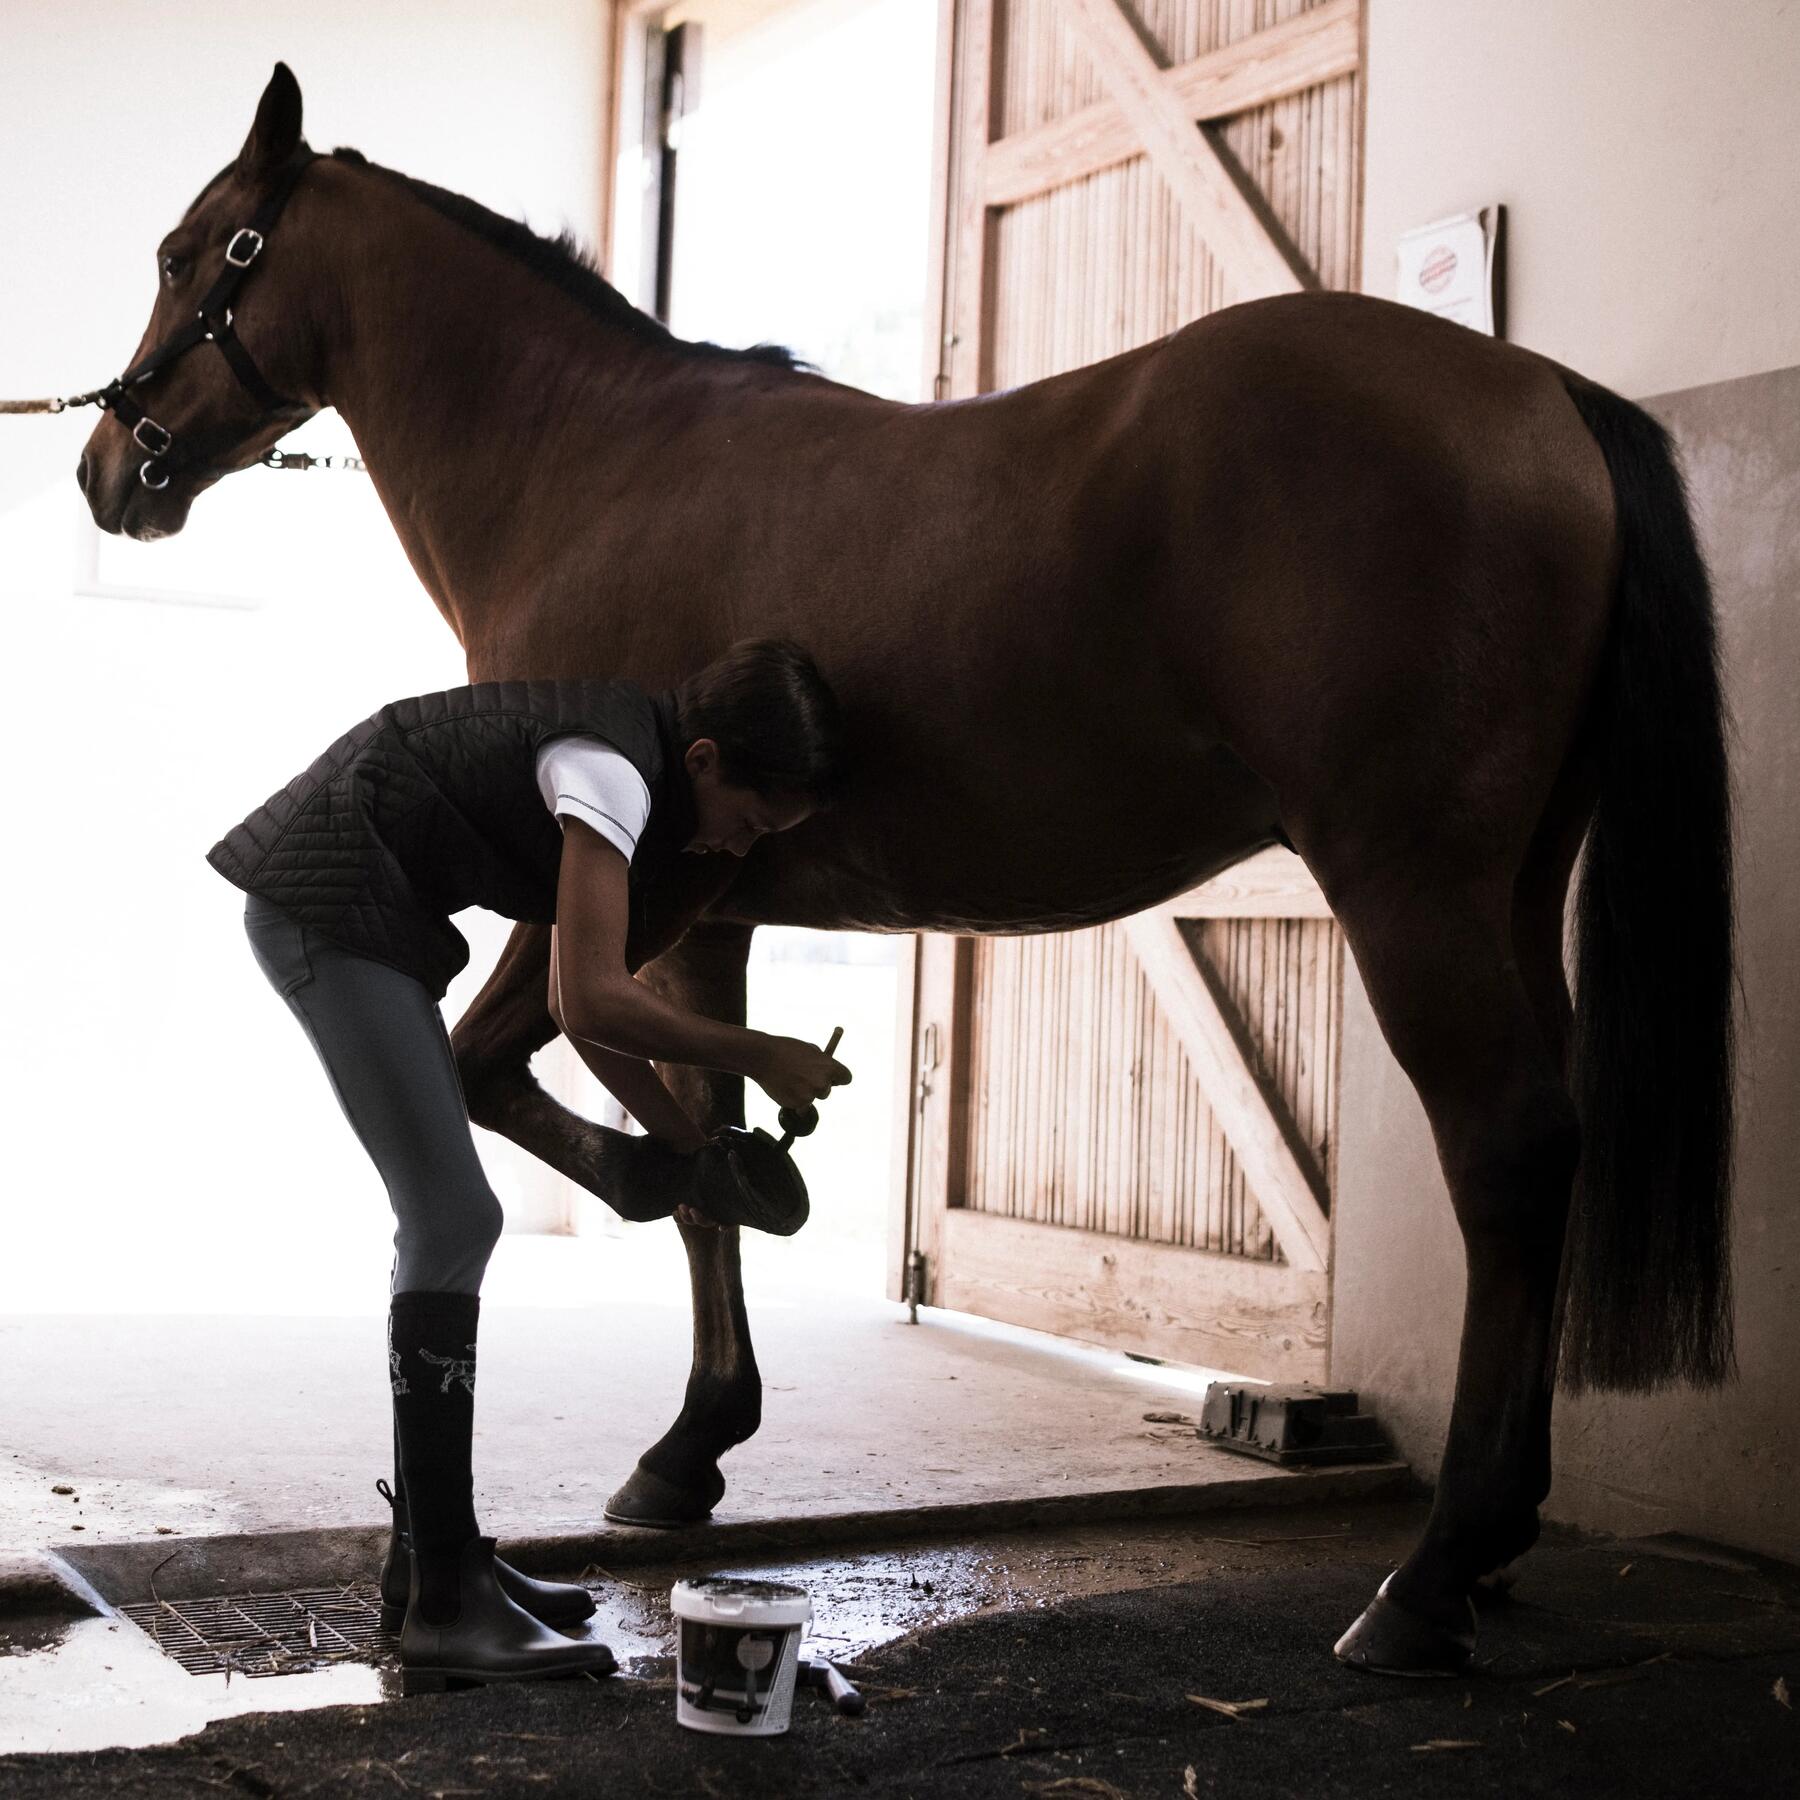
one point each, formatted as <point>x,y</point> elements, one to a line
<point>210,389</point>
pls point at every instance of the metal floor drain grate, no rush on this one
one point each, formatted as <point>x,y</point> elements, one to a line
<point>268,1634</point>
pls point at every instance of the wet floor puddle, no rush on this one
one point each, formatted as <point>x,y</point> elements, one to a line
<point>98,1682</point>
<point>94,1683</point>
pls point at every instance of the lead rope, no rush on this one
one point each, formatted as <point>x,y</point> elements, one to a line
<point>300,461</point>
<point>51,406</point>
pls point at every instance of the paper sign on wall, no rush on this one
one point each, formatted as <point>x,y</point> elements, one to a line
<point>1448,268</point>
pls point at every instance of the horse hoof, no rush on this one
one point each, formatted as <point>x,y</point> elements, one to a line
<point>1496,1586</point>
<point>649,1499</point>
<point>1389,1640</point>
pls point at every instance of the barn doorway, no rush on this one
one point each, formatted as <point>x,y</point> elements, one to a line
<point>1127,1135</point>
<point>774,175</point>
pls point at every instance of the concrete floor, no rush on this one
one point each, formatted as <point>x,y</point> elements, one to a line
<point>224,1455</point>
<point>169,1428</point>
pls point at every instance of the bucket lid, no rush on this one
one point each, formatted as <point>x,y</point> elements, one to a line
<point>739,1600</point>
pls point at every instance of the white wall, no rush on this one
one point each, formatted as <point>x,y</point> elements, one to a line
<point>1645,150</point>
<point>169,1142</point>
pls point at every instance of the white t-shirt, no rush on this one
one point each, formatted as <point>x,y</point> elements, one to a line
<point>585,778</point>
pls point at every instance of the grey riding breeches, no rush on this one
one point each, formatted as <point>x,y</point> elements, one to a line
<point>382,1040</point>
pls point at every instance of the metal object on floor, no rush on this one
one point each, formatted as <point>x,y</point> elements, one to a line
<point>1290,1425</point>
<point>821,1673</point>
<point>268,1634</point>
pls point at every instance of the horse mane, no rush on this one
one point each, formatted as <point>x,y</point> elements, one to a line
<point>563,262</point>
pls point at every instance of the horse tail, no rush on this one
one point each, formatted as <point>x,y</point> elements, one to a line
<point>1647,1272</point>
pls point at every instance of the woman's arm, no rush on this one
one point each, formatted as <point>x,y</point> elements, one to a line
<point>634,1084</point>
<point>596,1001</point>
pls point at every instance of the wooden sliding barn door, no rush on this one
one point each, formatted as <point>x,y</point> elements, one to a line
<point>1125,1134</point>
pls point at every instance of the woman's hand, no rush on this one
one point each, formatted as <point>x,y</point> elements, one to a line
<point>796,1073</point>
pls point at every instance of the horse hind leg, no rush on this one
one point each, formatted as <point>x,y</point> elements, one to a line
<point>1540,899</point>
<point>1443,977</point>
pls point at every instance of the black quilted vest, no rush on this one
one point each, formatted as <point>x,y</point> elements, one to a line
<point>433,805</point>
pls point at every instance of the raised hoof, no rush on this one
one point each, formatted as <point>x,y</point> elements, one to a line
<point>1389,1640</point>
<point>648,1499</point>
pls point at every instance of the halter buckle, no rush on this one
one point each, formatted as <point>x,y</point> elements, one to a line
<point>148,435</point>
<point>245,246</point>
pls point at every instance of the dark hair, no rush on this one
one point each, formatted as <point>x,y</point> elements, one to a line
<point>777,724</point>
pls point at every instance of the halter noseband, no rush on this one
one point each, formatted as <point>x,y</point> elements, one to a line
<point>211,323</point>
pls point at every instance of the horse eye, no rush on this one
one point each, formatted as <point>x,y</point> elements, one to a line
<point>173,268</point>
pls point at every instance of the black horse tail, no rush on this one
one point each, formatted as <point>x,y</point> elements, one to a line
<point>1647,1271</point>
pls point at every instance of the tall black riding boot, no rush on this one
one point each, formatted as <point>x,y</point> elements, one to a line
<point>558,1603</point>
<point>460,1625</point>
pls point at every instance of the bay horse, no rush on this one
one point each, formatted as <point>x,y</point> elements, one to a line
<point>1318,570</point>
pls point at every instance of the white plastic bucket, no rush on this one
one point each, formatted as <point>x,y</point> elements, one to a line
<point>737,1653</point>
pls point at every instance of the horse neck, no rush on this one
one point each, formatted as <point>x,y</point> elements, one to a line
<point>473,386</point>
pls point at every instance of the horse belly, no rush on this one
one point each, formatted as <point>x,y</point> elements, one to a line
<point>1075,847</point>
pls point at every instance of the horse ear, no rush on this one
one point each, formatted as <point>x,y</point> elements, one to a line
<point>276,134</point>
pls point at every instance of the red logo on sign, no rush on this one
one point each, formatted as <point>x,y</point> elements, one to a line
<point>1437,268</point>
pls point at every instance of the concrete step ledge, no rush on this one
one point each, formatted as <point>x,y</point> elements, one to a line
<point>187,1568</point>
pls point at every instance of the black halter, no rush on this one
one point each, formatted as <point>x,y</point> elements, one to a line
<point>211,323</point>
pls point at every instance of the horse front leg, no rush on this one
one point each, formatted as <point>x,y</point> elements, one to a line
<point>677,1480</point>
<point>1443,977</point>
